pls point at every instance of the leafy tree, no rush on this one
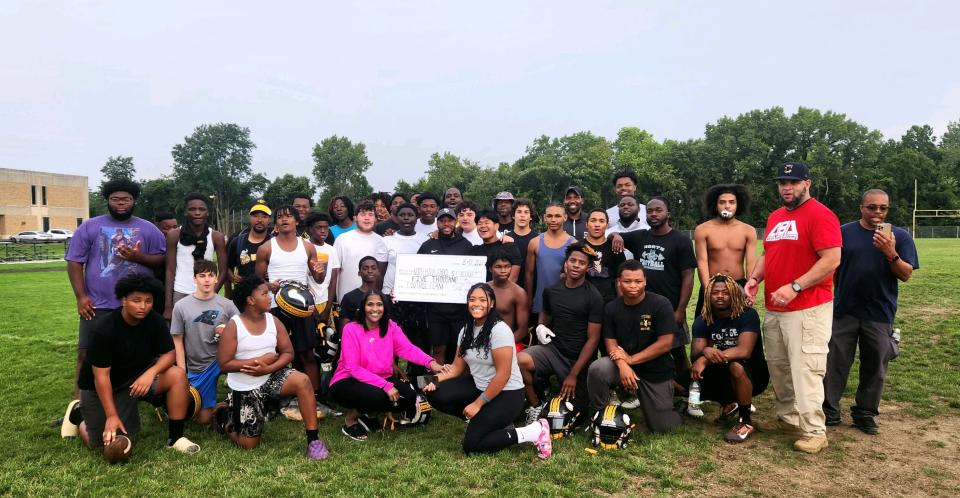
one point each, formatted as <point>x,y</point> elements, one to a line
<point>281,190</point>
<point>340,168</point>
<point>215,159</point>
<point>160,194</point>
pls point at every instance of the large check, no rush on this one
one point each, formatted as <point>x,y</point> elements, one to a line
<point>435,278</point>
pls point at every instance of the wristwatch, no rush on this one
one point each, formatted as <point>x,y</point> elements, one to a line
<point>796,287</point>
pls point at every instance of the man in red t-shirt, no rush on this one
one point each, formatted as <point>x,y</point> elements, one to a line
<point>801,250</point>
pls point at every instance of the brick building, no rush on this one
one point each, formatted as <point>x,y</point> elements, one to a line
<point>32,200</point>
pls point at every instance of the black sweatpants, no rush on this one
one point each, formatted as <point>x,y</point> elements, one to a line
<point>487,432</point>
<point>365,398</point>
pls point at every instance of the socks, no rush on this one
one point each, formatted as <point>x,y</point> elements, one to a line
<point>176,431</point>
<point>745,414</point>
<point>529,433</point>
<point>312,435</point>
<point>76,416</point>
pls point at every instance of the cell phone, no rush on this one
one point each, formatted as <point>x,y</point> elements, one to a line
<point>425,380</point>
<point>885,229</point>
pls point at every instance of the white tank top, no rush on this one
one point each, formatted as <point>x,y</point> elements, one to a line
<point>251,346</point>
<point>183,278</point>
<point>286,265</point>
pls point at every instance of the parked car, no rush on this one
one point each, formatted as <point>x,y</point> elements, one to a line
<point>31,237</point>
<point>59,234</point>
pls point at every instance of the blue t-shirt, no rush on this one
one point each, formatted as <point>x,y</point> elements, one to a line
<point>95,245</point>
<point>336,230</point>
<point>866,288</point>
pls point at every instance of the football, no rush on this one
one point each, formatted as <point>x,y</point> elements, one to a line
<point>119,451</point>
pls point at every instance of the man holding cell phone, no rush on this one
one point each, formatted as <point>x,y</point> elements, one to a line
<point>876,256</point>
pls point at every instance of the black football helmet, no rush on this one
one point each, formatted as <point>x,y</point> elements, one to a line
<point>295,299</point>
<point>611,428</point>
<point>560,416</point>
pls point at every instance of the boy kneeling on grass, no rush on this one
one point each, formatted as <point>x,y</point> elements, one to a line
<point>196,324</point>
<point>255,350</point>
<point>130,358</point>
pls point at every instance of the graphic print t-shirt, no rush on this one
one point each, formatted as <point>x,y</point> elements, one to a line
<point>197,320</point>
<point>603,272</point>
<point>96,245</point>
<point>664,257</point>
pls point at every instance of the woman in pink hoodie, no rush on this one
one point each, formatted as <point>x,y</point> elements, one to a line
<point>364,380</point>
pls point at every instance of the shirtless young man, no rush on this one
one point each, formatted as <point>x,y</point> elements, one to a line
<point>512,303</point>
<point>723,243</point>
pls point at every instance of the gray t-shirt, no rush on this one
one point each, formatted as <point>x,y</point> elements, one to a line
<point>197,320</point>
<point>481,363</point>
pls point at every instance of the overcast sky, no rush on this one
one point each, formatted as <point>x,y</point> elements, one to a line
<point>82,81</point>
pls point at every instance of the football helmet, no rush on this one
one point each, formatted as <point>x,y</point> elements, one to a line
<point>560,417</point>
<point>611,428</point>
<point>295,299</point>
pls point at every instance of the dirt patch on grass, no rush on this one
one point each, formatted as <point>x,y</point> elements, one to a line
<point>910,457</point>
<point>928,313</point>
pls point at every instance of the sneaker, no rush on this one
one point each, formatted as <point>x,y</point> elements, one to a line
<point>811,444</point>
<point>632,403</point>
<point>832,421</point>
<point>727,413</point>
<point>866,425</point>
<point>316,450</point>
<point>693,410</point>
<point>739,433</point>
<point>357,431</point>
<point>291,413</point>
<point>326,411</point>
<point>369,423</point>
<point>788,428</point>
<point>67,428</point>
<point>184,445</point>
<point>544,442</point>
<point>533,413</point>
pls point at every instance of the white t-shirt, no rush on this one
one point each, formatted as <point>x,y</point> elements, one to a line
<point>614,215</point>
<point>473,237</point>
<point>399,244</point>
<point>482,368</point>
<point>325,254</point>
<point>351,247</point>
<point>422,229</point>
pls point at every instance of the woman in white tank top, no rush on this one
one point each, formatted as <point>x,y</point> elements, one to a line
<point>254,351</point>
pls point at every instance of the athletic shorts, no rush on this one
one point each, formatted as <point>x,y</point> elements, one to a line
<point>126,406</point>
<point>444,332</point>
<point>206,383</point>
<point>303,331</point>
<point>716,384</point>
<point>247,414</point>
<point>547,360</point>
<point>87,327</point>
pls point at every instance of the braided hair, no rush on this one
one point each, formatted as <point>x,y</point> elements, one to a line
<point>738,301</point>
<point>480,342</point>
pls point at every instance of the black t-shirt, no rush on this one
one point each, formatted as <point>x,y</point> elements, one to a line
<point>126,349</point>
<point>242,254</point>
<point>383,226</point>
<point>637,327</point>
<point>724,332</point>
<point>603,272</point>
<point>486,250</point>
<point>506,227</point>
<point>523,243</point>
<point>664,257</point>
<point>570,311</point>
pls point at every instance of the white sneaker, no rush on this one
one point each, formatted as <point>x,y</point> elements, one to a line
<point>533,413</point>
<point>631,404</point>
<point>694,411</point>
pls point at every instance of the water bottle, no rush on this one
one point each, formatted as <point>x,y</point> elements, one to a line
<point>693,400</point>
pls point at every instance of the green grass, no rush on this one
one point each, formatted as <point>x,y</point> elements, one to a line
<point>38,340</point>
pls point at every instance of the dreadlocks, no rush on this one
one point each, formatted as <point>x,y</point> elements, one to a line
<point>738,301</point>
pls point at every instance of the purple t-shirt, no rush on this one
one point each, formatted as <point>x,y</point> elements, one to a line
<point>95,245</point>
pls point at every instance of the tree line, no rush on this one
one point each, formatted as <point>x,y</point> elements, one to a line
<point>845,157</point>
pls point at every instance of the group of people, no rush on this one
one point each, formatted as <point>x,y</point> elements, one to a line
<point>590,313</point>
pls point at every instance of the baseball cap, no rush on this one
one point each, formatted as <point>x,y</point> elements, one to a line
<point>261,206</point>
<point>446,212</point>
<point>574,189</point>
<point>793,171</point>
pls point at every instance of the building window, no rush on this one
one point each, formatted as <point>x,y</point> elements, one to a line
<point>33,195</point>
<point>46,223</point>
<point>43,194</point>
<point>79,221</point>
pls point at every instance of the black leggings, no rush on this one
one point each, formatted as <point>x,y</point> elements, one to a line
<point>487,432</point>
<point>365,398</point>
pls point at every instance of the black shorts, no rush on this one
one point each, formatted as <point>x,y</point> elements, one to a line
<point>92,410</point>
<point>716,384</point>
<point>444,331</point>
<point>303,331</point>
<point>247,415</point>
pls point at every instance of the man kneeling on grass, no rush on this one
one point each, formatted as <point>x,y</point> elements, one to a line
<point>130,358</point>
<point>728,354</point>
<point>255,351</point>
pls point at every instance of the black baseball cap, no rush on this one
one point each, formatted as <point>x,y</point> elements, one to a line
<point>793,171</point>
<point>446,212</point>
<point>573,189</point>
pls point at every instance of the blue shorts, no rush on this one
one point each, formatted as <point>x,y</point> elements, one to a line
<point>206,383</point>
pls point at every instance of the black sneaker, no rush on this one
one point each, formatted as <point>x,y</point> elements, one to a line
<point>833,421</point>
<point>357,432</point>
<point>866,425</point>
<point>370,424</point>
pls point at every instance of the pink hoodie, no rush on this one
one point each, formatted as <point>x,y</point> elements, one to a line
<point>367,357</point>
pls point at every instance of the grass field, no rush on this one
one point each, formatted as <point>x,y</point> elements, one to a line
<point>38,340</point>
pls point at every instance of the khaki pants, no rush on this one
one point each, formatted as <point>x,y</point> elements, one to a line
<point>796,347</point>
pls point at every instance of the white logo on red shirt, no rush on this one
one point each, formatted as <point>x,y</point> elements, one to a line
<point>785,230</point>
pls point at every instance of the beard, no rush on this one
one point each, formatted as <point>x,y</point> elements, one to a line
<point>798,199</point>
<point>627,221</point>
<point>120,216</point>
